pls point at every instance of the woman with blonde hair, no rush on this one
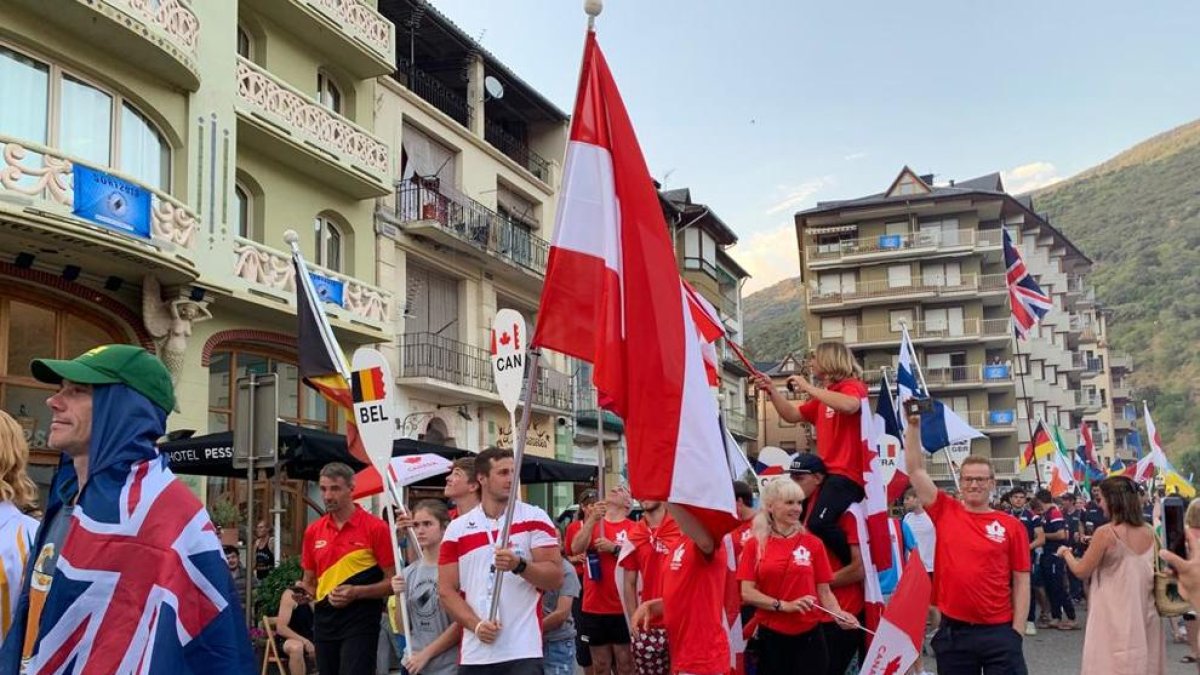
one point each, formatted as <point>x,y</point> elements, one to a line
<point>1124,634</point>
<point>835,411</point>
<point>17,530</point>
<point>785,576</point>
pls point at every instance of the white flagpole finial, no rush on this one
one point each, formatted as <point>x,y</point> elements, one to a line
<point>593,7</point>
<point>291,238</point>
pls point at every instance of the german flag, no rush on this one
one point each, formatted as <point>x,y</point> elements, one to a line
<point>367,385</point>
<point>322,366</point>
<point>1040,447</point>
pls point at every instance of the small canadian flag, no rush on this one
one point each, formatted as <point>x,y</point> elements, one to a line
<point>901,630</point>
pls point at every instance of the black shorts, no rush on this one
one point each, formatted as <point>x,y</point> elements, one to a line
<point>598,630</point>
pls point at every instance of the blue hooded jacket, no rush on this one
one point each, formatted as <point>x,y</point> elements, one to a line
<point>125,427</point>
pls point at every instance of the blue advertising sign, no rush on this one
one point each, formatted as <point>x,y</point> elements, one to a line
<point>889,241</point>
<point>328,290</point>
<point>1001,417</point>
<point>995,372</point>
<point>112,202</point>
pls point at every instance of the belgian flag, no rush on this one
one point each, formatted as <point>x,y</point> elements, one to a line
<point>322,366</point>
<point>367,385</point>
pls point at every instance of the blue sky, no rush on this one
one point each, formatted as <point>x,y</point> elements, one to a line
<point>765,107</point>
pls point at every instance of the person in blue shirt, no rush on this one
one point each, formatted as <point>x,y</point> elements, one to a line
<point>1037,537</point>
<point>1054,524</point>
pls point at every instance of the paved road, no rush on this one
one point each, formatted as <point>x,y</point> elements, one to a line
<point>1054,652</point>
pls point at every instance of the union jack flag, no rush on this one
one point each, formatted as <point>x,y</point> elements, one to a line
<point>1029,302</point>
<point>140,584</point>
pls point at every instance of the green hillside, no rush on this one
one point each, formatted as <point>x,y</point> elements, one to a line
<point>774,320</point>
<point>1138,217</point>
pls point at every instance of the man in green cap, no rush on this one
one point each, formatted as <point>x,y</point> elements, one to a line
<point>126,551</point>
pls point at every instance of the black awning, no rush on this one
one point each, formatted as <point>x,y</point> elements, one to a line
<point>302,453</point>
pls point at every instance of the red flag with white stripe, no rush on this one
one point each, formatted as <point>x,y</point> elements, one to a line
<point>1156,459</point>
<point>875,503</point>
<point>613,297</point>
<point>897,641</point>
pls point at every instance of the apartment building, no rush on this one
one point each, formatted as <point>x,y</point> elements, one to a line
<point>465,232</point>
<point>1105,393</point>
<point>221,125</point>
<point>930,257</point>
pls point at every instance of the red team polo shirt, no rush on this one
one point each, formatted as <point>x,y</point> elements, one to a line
<point>789,569</point>
<point>976,555</point>
<point>356,554</point>
<point>694,608</point>
<point>600,595</point>
<point>651,549</point>
<point>839,435</point>
<point>573,529</point>
<point>740,535</point>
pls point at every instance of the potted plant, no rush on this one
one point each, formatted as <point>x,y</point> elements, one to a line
<point>225,516</point>
<point>278,580</point>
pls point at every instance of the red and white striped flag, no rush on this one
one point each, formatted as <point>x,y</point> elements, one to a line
<point>1156,459</point>
<point>897,641</point>
<point>875,502</point>
<point>613,297</point>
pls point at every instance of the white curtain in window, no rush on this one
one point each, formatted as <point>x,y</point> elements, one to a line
<point>428,158</point>
<point>85,122</point>
<point>25,84</point>
<point>144,154</point>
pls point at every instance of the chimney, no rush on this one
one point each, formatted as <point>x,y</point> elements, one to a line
<point>927,179</point>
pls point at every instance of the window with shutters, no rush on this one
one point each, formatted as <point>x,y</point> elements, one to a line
<point>899,276</point>
<point>431,303</point>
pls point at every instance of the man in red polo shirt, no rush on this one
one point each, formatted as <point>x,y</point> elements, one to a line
<point>693,603</point>
<point>983,568</point>
<point>348,565</point>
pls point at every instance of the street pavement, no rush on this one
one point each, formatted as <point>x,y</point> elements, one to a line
<point>1056,652</point>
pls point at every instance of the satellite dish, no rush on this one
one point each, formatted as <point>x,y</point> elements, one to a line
<point>493,87</point>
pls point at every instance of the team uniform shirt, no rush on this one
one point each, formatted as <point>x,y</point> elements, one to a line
<point>651,546</point>
<point>17,535</point>
<point>1053,521</point>
<point>470,542</point>
<point>1093,514</point>
<point>355,555</point>
<point>977,554</point>
<point>922,529</point>
<point>600,595</point>
<point>573,529</point>
<point>852,597</point>
<point>740,535</point>
<point>789,568</point>
<point>1074,521</point>
<point>1031,521</point>
<point>839,435</point>
<point>694,608</point>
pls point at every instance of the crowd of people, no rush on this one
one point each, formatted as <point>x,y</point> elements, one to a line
<point>656,595</point>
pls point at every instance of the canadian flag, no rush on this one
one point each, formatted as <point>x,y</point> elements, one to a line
<point>1156,459</point>
<point>897,641</point>
<point>613,297</point>
<point>875,503</point>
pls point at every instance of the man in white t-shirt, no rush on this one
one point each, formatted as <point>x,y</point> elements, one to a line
<point>471,560</point>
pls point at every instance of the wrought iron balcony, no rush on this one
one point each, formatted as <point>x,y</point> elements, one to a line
<point>740,424</point>
<point>471,226</point>
<point>884,290</point>
<point>920,331</point>
<point>433,92</point>
<point>516,149</point>
<point>438,358</point>
<point>886,245</point>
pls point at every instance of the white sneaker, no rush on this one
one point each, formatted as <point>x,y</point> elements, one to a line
<point>1030,628</point>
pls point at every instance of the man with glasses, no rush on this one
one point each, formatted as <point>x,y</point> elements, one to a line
<point>983,568</point>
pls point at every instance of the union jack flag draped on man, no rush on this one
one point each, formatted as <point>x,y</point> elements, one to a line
<point>1029,302</point>
<point>141,585</point>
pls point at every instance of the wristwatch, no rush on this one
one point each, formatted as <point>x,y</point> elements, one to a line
<point>777,605</point>
<point>521,566</point>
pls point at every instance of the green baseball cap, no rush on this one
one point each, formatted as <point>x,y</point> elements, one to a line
<point>132,366</point>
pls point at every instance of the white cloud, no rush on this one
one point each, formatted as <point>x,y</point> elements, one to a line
<point>796,196</point>
<point>855,156</point>
<point>1029,177</point>
<point>769,257</point>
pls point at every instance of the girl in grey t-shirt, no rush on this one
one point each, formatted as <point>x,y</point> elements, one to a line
<point>435,638</point>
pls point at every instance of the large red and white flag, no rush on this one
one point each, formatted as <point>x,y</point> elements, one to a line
<point>1156,459</point>
<point>872,590</point>
<point>875,502</point>
<point>613,297</point>
<point>897,641</point>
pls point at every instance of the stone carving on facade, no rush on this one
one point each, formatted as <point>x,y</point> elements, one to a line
<point>368,24</point>
<point>262,266</point>
<point>170,322</point>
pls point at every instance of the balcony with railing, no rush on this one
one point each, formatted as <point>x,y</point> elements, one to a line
<point>1089,401</point>
<point>446,365</point>
<point>953,377</point>
<point>857,249</point>
<point>921,332</point>
<point>422,208</point>
<point>938,467</point>
<point>996,421</point>
<point>277,117</point>
<point>434,92</point>
<point>741,425</point>
<point>353,34</point>
<point>1121,392</point>
<point>883,291</point>
<point>1120,362</point>
<point>1091,366</point>
<point>160,37</point>
<point>267,272</point>
<point>39,181</point>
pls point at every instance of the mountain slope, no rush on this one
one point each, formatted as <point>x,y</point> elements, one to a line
<point>1138,217</point>
<point>774,320</point>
